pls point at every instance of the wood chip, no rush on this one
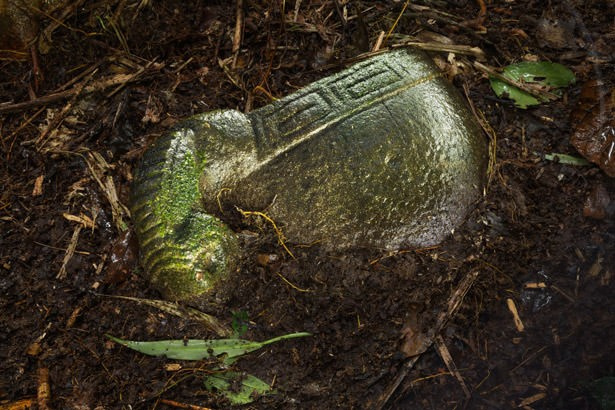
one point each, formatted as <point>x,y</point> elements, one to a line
<point>43,393</point>
<point>73,317</point>
<point>22,404</point>
<point>84,220</point>
<point>34,349</point>
<point>535,285</point>
<point>172,367</point>
<point>38,186</point>
<point>532,399</point>
<point>513,309</point>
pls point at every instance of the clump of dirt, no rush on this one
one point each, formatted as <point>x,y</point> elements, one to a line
<point>531,329</point>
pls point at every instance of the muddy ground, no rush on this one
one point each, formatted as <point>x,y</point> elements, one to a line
<point>139,67</point>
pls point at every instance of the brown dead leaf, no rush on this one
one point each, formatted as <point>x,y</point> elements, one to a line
<point>414,340</point>
<point>123,258</point>
<point>152,111</point>
<point>597,202</point>
<point>593,123</point>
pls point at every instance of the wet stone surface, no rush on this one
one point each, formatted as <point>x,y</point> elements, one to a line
<point>382,155</point>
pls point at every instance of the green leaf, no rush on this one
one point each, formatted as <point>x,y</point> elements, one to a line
<point>238,388</point>
<point>567,159</point>
<point>544,73</point>
<point>197,349</point>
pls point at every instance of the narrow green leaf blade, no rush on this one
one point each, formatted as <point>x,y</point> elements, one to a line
<point>567,159</point>
<point>197,349</point>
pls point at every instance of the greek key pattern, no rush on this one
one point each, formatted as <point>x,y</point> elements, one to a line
<point>330,100</point>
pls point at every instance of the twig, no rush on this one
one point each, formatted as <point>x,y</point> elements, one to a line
<point>491,134</point>
<point>16,132</point>
<point>450,364</point>
<point>61,249</point>
<point>102,84</point>
<point>513,309</point>
<point>43,393</point>
<point>97,166</point>
<point>184,312</point>
<point>564,294</point>
<point>179,405</point>
<point>443,318</point>
<point>80,76</point>
<point>65,11</point>
<point>297,6</point>
<point>21,404</point>
<point>425,12</point>
<point>292,285</point>
<point>84,220</point>
<point>340,12</point>
<point>525,403</point>
<point>70,251</point>
<point>528,359</point>
<point>59,118</point>
<point>219,195</point>
<point>449,48</point>
<point>401,13</point>
<point>238,31</point>
<point>378,42</point>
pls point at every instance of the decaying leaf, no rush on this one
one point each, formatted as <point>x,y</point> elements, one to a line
<point>593,123</point>
<point>237,387</point>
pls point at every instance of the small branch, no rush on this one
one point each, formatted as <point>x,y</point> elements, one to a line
<point>70,251</point>
<point>238,31</point>
<point>185,312</point>
<point>450,364</point>
<point>450,48</point>
<point>100,85</point>
<point>43,393</point>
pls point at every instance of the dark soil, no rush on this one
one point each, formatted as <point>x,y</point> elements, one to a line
<point>529,228</point>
